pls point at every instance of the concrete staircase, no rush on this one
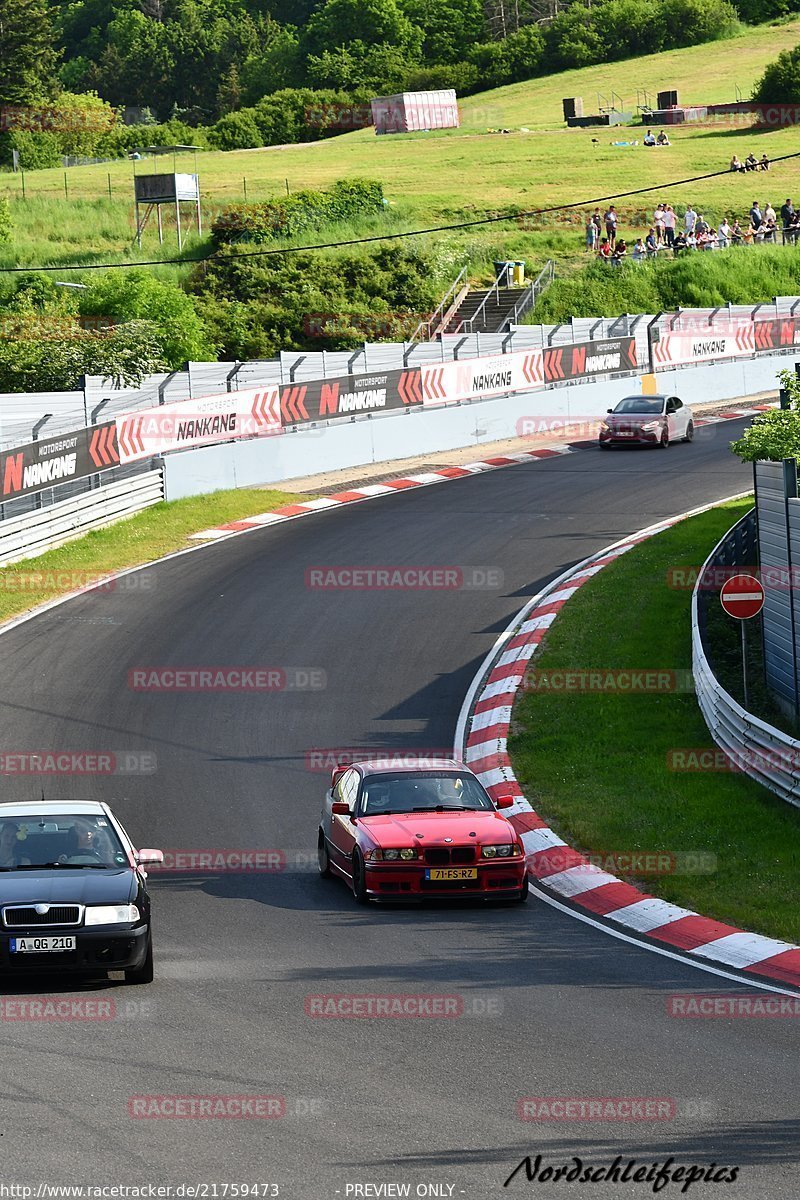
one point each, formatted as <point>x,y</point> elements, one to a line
<point>476,314</point>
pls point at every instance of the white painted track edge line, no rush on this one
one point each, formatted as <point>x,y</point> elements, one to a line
<point>642,945</point>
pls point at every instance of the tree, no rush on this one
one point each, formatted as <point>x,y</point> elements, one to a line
<point>27,55</point>
<point>449,28</point>
<point>780,83</point>
<point>774,435</point>
<point>372,22</point>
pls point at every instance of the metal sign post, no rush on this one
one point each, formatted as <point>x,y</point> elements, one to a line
<point>742,597</point>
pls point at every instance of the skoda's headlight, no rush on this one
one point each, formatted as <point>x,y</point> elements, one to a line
<point>111,914</point>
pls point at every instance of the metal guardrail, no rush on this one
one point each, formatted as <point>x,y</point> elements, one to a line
<point>761,751</point>
<point>46,528</point>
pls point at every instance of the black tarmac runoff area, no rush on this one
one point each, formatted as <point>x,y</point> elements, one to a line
<point>537,1003</point>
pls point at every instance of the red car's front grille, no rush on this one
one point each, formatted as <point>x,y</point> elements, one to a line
<point>441,856</point>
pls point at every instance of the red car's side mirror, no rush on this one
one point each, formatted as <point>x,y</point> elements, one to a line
<point>339,809</point>
<point>505,802</point>
<point>336,775</point>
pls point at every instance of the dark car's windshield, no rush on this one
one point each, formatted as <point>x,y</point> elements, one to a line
<point>421,791</point>
<point>61,840</point>
<point>641,404</point>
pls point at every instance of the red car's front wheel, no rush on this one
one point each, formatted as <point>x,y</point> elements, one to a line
<point>359,881</point>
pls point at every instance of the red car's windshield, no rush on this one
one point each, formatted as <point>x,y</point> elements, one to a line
<point>424,791</point>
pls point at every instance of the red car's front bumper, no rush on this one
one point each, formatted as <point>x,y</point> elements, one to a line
<point>386,881</point>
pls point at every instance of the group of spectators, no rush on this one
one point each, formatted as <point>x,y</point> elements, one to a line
<point>691,232</point>
<point>751,163</point>
<point>650,138</point>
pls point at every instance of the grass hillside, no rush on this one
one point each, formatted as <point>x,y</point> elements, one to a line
<point>458,173</point>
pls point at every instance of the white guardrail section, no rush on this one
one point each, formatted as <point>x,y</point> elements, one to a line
<point>756,748</point>
<point>46,528</point>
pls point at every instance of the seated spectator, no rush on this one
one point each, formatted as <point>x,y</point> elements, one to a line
<point>723,233</point>
<point>651,245</point>
<point>639,251</point>
<point>679,243</point>
<point>649,138</point>
<point>605,250</point>
<point>736,165</point>
<point>751,163</point>
<point>691,240</point>
<point>764,163</point>
<point>794,227</point>
<point>620,252</point>
<point>662,139</point>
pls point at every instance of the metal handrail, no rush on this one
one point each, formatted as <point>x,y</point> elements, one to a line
<point>470,321</point>
<point>532,293</point>
<point>438,313</point>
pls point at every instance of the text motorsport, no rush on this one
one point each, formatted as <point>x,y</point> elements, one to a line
<point>658,1175</point>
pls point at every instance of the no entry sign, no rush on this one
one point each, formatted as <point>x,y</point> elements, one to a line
<point>742,596</point>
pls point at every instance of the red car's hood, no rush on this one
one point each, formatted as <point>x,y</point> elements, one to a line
<point>431,829</point>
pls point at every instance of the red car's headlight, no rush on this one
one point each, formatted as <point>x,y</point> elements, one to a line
<point>402,854</point>
<point>505,851</point>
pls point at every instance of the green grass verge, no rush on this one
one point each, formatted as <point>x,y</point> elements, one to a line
<point>148,535</point>
<point>595,764</point>
<point>454,173</point>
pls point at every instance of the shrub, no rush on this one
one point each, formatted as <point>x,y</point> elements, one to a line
<point>5,221</point>
<point>236,131</point>
<point>463,77</point>
<point>301,211</point>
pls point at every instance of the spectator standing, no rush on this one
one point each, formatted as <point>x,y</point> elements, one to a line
<point>598,222</point>
<point>701,225</point>
<point>737,237</point>
<point>658,223</point>
<point>787,214</point>
<point>770,230</point>
<point>723,233</point>
<point>591,236</point>
<point>689,220</point>
<point>756,219</point>
<point>669,225</point>
<point>769,213</point>
<point>610,219</point>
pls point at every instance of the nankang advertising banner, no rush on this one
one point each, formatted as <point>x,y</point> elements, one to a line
<point>253,412</point>
<point>718,342</point>
<point>489,375</point>
<point>583,360</point>
<point>349,395</point>
<point>52,461</point>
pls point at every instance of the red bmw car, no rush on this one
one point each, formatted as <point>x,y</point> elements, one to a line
<point>401,833</point>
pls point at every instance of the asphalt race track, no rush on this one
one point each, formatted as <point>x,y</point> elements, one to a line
<point>550,1006</point>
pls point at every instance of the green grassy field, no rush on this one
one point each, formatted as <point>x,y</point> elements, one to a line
<point>453,174</point>
<point>595,764</point>
<point>150,534</point>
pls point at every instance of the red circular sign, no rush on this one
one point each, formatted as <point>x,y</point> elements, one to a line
<point>742,596</point>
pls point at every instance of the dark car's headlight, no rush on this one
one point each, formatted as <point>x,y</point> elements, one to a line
<point>111,914</point>
<point>505,851</point>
